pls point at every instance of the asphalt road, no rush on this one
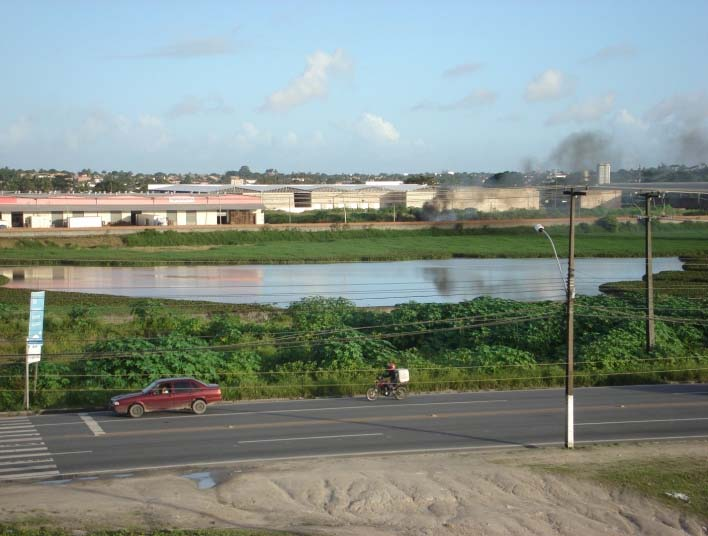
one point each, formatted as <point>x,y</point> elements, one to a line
<point>77,445</point>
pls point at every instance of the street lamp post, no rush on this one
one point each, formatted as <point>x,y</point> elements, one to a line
<point>541,229</point>
<point>569,299</point>
<point>569,291</point>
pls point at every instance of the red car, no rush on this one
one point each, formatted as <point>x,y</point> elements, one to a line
<point>168,394</point>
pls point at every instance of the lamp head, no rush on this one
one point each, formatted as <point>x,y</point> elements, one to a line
<point>539,228</point>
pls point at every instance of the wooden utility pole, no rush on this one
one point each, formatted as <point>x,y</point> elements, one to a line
<point>649,270</point>
<point>570,298</point>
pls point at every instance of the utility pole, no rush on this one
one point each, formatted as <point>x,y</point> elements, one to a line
<point>649,270</point>
<point>570,298</point>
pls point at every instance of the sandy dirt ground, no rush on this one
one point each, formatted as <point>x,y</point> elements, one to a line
<point>501,492</point>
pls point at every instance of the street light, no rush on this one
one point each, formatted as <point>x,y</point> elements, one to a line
<point>569,296</point>
<point>541,229</point>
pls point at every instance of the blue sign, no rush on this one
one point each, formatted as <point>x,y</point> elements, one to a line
<point>36,318</point>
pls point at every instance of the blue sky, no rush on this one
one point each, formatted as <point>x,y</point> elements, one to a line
<point>393,86</point>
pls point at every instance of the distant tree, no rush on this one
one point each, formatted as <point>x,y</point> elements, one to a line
<point>422,179</point>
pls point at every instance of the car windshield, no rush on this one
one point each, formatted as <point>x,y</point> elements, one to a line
<point>151,387</point>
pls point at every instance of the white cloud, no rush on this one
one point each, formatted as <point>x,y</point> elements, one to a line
<point>549,85</point>
<point>462,70</point>
<point>210,46</point>
<point>375,128</point>
<point>625,118</point>
<point>590,110</point>
<point>612,52</point>
<point>311,84</point>
<point>476,98</point>
<point>290,139</point>
<point>146,133</point>
<point>193,105</point>
<point>17,132</point>
<point>251,136</point>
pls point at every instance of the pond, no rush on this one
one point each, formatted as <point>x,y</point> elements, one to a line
<point>366,284</point>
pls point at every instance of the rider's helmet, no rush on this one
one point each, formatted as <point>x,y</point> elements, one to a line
<point>391,366</point>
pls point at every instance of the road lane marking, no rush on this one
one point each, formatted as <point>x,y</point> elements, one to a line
<point>25,443</point>
<point>72,452</point>
<point>92,424</point>
<point>365,406</point>
<point>3,455</point>
<point>274,411</point>
<point>362,454</point>
<point>305,438</point>
<point>7,450</point>
<point>647,421</point>
<point>40,459</point>
<point>375,420</point>
<point>23,437</point>
<point>28,468</point>
<point>23,454</point>
<point>7,456</point>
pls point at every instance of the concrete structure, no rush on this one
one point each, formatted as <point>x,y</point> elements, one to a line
<point>44,210</point>
<point>486,199</point>
<point>603,173</point>
<point>601,198</point>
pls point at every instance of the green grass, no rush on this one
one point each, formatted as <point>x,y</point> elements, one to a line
<point>653,478</point>
<point>289,247</point>
<point>691,282</point>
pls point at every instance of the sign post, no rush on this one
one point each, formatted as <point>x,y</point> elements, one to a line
<point>34,337</point>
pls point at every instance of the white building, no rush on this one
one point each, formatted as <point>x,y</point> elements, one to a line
<point>603,173</point>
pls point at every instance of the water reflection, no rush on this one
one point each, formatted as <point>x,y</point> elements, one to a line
<point>386,283</point>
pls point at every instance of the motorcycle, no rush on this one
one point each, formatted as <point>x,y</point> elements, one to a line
<point>384,388</point>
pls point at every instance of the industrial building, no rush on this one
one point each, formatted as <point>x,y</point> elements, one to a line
<point>303,197</point>
<point>96,210</point>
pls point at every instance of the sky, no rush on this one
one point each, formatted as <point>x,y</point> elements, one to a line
<point>352,86</point>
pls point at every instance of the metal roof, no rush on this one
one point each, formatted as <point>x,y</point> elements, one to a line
<point>263,188</point>
<point>133,207</point>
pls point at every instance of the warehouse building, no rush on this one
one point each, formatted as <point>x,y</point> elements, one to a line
<point>44,210</point>
<point>303,197</point>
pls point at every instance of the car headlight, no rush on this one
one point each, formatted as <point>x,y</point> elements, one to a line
<point>116,403</point>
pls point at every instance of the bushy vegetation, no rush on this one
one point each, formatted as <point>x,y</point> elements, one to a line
<point>691,282</point>
<point>327,346</point>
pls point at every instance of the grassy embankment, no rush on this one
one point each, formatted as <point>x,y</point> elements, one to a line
<point>652,478</point>
<point>287,247</point>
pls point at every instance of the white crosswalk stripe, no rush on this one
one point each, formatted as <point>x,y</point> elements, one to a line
<point>23,454</point>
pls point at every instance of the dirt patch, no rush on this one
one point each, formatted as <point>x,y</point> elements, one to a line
<point>433,494</point>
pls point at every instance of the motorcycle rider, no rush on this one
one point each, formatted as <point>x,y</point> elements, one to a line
<point>392,378</point>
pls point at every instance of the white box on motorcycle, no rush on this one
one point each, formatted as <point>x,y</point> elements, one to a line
<point>403,376</point>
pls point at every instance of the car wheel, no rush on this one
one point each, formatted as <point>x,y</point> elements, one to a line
<point>136,411</point>
<point>372,393</point>
<point>199,407</point>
